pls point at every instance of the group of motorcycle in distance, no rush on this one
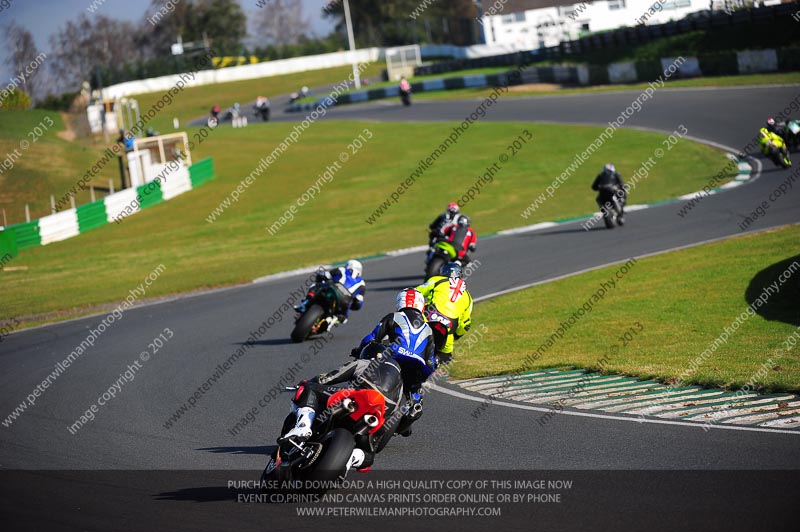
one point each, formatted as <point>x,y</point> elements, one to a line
<point>775,141</point>
<point>234,113</point>
<point>358,416</point>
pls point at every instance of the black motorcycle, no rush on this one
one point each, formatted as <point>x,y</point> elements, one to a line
<point>326,301</point>
<point>610,202</point>
<point>353,418</point>
<point>405,97</point>
<point>262,110</point>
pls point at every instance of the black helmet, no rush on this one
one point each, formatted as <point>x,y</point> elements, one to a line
<point>463,220</point>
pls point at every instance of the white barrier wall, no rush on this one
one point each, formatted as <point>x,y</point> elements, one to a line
<point>689,68</point>
<point>622,72</point>
<point>244,72</point>
<point>59,226</point>
<point>752,61</point>
<point>470,52</point>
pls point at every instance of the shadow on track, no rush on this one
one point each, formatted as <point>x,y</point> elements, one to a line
<point>271,341</point>
<point>783,305</point>
<point>207,494</point>
<point>259,449</point>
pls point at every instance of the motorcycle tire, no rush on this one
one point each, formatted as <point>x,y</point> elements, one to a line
<point>336,452</point>
<point>304,324</point>
<point>433,267</point>
<point>609,220</point>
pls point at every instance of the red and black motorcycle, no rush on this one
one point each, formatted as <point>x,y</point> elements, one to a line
<point>353,418</point>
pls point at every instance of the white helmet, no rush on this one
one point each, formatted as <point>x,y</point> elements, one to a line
<point>410,298</point>
<point>355,267</point>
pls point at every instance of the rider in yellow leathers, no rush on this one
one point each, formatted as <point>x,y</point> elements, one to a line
<point>448,308</point>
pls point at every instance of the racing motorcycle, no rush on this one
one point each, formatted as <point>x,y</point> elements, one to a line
<point>405,97</point>
<point>778,153</point>
<point>610,204</point>
<point>261,108</point>
<point>363,418</point>
<point>792,133</point>
<point>439,254</point>
<point>326,301</point>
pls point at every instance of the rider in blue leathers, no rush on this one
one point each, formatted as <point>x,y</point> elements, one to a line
<point>409,341</point>
<point>349,283</point>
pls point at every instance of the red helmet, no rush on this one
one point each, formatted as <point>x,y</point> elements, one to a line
<point>770,122</point>
<point>452,208</point>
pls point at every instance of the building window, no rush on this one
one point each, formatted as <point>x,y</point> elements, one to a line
<point>514,17</point>
<point>616,4</point>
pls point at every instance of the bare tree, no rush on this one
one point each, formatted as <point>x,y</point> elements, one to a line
<point>82,46</point>
<point>282,22</point>
<point>23,58</point>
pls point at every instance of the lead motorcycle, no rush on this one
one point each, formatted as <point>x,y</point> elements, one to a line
<point>353,418</point>
<point>326,300</point>
<point>610,204</point>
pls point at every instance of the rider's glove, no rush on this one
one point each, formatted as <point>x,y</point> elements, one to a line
<point>355,352</point>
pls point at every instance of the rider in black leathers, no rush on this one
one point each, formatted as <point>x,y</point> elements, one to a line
<point>610,177</point>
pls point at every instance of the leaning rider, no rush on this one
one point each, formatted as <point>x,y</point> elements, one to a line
<point>462,237</point>
<point>350,286</point>
<point>448,308</point>
<point>443,220</point>
<point>410,342</point>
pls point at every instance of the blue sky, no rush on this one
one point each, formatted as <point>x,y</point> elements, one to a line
<point>44,17</point>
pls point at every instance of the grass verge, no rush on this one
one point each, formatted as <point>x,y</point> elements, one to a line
<point>104,264</point>
<point>672,306</point>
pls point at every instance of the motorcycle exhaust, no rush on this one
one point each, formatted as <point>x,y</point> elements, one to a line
<point>371,420</point>
<point>349,405</point>
<point>416,408</point>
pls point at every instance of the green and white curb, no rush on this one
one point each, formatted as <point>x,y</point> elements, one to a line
<point>619,394</point>
<point>118,206</point>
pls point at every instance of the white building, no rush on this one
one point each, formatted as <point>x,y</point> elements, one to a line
<point>548,26</point>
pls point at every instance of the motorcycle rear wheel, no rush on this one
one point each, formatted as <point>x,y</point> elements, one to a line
<point>336,453</point>
<point>303,326</point>
<point>433,267</point>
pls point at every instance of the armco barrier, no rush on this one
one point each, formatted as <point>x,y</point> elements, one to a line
<point>72,222</point>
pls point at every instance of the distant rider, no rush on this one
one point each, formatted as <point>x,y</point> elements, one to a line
<point>448,308</point>
<point>410,342</point>
<point>610,177</point>
<point>776,128</point>
<point>442,221</point>
<point>462,237</point>
<point>350,287</point>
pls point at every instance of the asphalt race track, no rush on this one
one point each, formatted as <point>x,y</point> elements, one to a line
<point>129,434</point>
